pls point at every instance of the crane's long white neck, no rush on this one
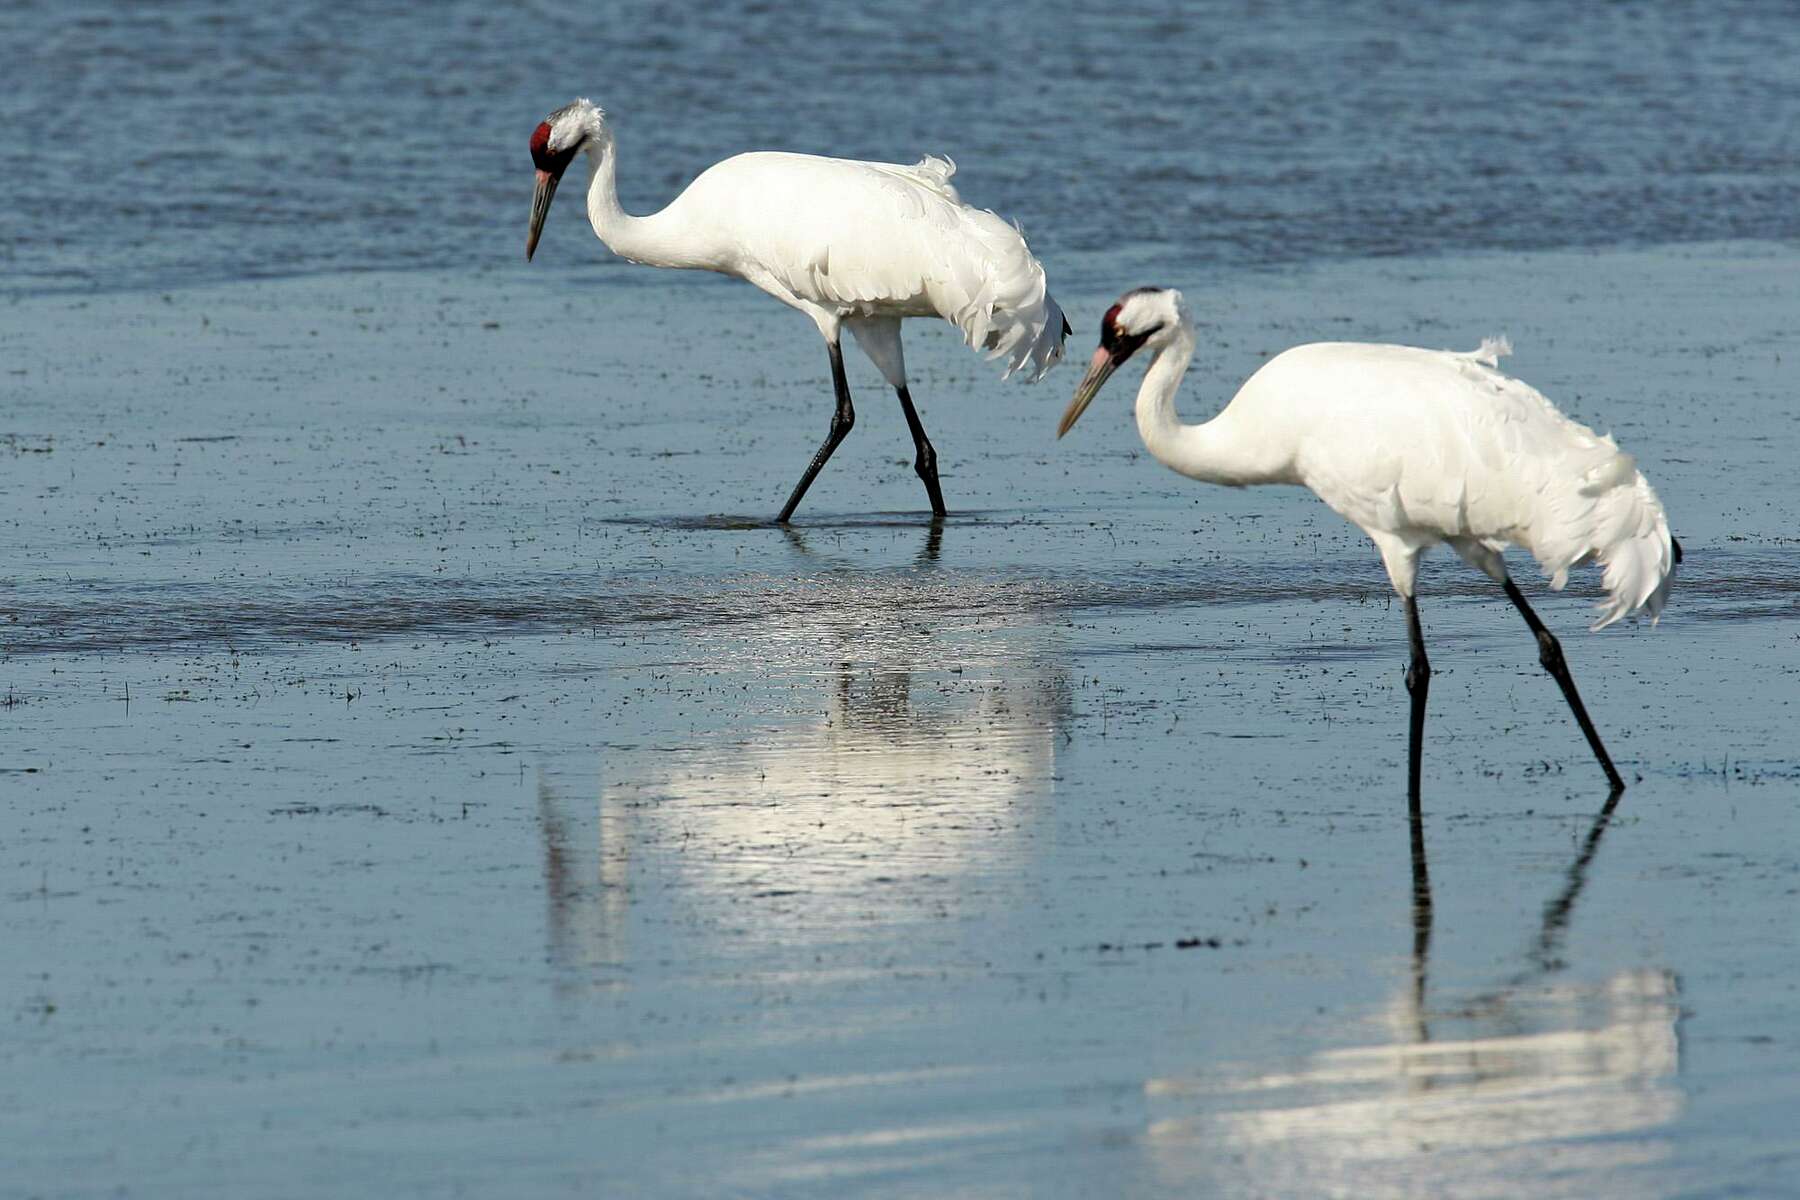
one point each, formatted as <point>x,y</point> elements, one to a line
<point>659,240</point>
<point>1219,451</point>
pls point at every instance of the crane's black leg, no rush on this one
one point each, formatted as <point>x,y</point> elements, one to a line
<point>1418,683</point>
<point>925,462</point>
<point>841,422</point>
<point>1551,655</point>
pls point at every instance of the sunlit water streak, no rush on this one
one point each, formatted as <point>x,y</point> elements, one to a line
<point>1466,1095</point>
<point>1579,1078</point>
<point>873,758</point>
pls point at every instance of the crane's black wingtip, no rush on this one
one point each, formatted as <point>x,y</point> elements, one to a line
<point>1066,329</point>
<point>1678,554</point>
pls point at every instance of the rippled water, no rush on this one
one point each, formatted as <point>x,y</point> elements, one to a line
<point>151,146</point>
<point>427,772</point>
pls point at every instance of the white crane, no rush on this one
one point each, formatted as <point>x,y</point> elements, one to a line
<point>856,245</point>
<point>1415,448</point>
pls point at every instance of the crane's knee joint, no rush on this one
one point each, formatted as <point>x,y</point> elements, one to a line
<point>842,422</point>
<point>926,462</point>
<point>1550,653</point>
<point>1418,676</point>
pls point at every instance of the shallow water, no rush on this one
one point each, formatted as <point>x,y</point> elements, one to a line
<point>428,772</point>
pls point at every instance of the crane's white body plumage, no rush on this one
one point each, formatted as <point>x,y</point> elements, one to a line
<point>1416,448</point>
<point>857,244</point>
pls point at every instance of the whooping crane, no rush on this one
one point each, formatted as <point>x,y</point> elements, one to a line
<point>1414,447</point>
<point>857,245</point>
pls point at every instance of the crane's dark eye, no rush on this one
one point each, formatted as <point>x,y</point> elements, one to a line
<point>1130,344</point>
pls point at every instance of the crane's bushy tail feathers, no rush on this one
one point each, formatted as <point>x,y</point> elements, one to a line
<point>973,266</point>
<point>1640,568</point>
<point>1001,301</point>
<point>1618,521</point>
<point>1038,345</point>
<point>1591,503</point>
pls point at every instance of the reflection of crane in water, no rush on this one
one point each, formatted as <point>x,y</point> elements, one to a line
<point>1585,1070</point>
<point>922,753</point>
<point>585,894</point>
<point>901,773</point>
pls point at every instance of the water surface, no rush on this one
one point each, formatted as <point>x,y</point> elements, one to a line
<point>151,146</point>
<point>427,772</point>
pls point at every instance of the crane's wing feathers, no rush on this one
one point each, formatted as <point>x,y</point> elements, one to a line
<point>1571,494</point>
<point>1451,448</point>
<point>875,239</point>
<point>930,174</point>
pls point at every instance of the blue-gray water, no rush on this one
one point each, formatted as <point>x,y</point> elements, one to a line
<point>424,772</point>
<point>155,145</point>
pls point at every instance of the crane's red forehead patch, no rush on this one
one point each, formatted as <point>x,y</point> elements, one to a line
<point>553,161</point>
<point>1109,324</point>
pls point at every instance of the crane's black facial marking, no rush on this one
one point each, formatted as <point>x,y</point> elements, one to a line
<point>1118,344</point>
<point>555,163</point>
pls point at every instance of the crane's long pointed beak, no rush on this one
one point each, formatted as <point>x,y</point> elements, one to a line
<point>540,208</point>
<point>1100,369</point>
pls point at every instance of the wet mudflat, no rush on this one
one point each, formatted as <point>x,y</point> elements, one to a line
<point>427,773</point>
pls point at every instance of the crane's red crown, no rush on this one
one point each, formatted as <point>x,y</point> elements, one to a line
<point>1109,324</point>
<point>1118,343</point>
<point>547,160</point>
